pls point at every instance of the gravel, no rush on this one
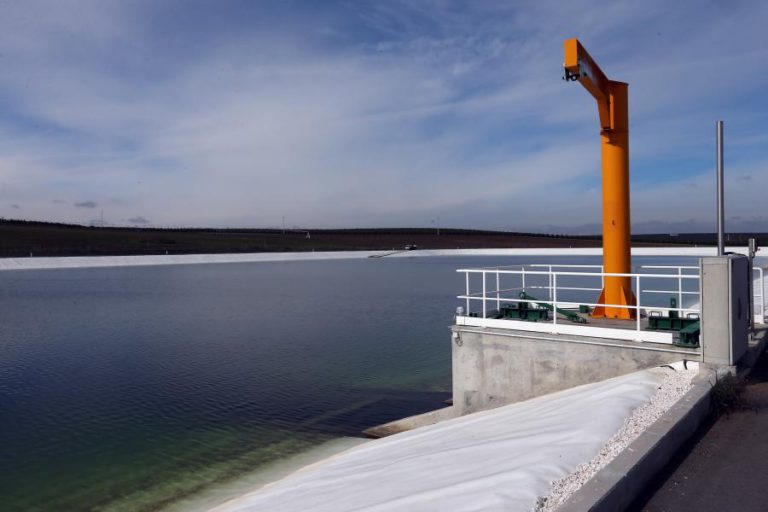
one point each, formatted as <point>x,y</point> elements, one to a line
<point>676,383</point>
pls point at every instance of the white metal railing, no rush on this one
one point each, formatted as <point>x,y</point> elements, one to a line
<point>554,281</point>
<point>758,292</point>
<point>759,311</point>
<point>549,267</point>
<point>544,276</point>
<point>679,273</point>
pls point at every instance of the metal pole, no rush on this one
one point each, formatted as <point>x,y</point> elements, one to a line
<point>720,193</point>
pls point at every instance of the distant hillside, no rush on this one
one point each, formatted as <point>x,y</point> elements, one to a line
<point>22,238</point>
<point>735,239</point>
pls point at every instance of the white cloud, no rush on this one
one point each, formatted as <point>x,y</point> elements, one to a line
<point>431,109</point>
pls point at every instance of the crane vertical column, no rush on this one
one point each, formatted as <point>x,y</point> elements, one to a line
<point>617,241</point>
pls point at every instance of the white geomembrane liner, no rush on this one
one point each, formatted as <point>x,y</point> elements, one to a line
<point>191,259</point>
<point>497,460</point>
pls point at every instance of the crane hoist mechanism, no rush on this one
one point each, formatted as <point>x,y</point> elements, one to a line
<point>611,97</point>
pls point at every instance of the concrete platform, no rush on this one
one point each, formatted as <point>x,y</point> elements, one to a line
<point>494,367</point>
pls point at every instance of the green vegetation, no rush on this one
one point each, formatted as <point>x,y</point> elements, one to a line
<point>25,238</point>
<point>727,395</point>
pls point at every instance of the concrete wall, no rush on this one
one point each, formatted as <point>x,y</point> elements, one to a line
<point>493,367</point>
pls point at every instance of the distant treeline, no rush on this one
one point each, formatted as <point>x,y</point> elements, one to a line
<point>353,231</point>
<point>21,238</point>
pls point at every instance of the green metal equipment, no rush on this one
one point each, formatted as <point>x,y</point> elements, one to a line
<point>569,315</point>
<point>523,311</point>
<point>689,327</point>
<point>673,322</point>
<point>689,336</point>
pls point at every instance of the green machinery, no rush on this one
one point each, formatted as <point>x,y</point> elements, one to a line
<point>688,327</point>
<point>531,310</point>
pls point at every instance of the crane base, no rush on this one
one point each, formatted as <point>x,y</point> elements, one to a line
<point>626,298</point>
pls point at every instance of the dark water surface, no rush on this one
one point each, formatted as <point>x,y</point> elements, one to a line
<point>128,388</point>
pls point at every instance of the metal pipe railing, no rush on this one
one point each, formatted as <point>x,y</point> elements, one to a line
<point>553,280</point>
<point>761,288</point>
<point>757,292</point>
<point>549,267</point>
<point>553,277</point>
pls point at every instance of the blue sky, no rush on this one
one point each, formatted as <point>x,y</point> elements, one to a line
<point>388,113</point>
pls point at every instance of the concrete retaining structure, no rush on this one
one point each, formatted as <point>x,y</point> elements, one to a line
<point>494,367</point>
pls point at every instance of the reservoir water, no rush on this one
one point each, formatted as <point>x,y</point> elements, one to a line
<point>130,388</point>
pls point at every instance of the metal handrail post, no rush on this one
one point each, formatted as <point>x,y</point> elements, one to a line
<point>466,275</point>
<point>484,294</point>
<point>679,287</point>
<point>550,282</point>
<point>523,275</point>
<point>554,298</point>
<point>498,297</point>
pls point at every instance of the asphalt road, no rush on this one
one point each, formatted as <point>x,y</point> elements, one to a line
<point>725,466</point>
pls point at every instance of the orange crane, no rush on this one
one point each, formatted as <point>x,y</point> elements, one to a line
<point>613,113</point>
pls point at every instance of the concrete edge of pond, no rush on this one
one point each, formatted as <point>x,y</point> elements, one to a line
<point>620,482</point>
<point>411,422</point>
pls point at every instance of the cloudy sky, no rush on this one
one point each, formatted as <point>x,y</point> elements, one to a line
<point>381,113</point>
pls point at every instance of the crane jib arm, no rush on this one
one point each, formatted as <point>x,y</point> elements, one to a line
<point>580,66</point>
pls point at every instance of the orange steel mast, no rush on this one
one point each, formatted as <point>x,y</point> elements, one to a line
<point>613,112</point>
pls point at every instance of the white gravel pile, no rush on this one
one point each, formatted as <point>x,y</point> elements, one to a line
<point>677,382</point>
